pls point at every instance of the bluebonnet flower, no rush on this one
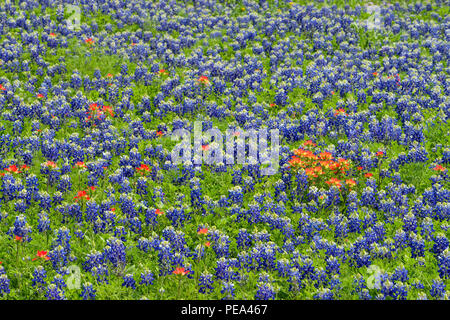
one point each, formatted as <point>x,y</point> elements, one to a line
<point>39,275</point>
<point>88,292</point>
<point>444,264</point>
<point>265,291</point>
<point>417,245</point>
<point>437,289</point>
<point>4,284</point>
<point>58,257</point>
<point>205,283</point>
<point>147,278</point>
<point>21,228</point>
<point>235,195</point>
<point>228,290</point>
<point>54,293</point>
<point>243,239</point>
<point>440,243</point>
<point>129,282</point>
<point>400,274</point>
<point>410,223</point>
<point>333,265</point>
<point>324,294</point>
<point>59,282</point>
<point>115,252</point>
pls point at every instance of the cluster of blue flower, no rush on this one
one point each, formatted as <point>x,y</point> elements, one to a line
<point>87,172</point>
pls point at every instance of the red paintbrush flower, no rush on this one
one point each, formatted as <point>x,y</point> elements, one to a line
<point>202,231</point>
<point>163,72</point>
<point>82,194</point>
<point>51,164</point>
<point>334,181</point>
<point>350,182</point>
<point>368,175</point>
<point>439,168</point>
<point>2,88</point>
<point>159,133</point>
<point>180,271</point>
<point>13,169</point>
<point>340,111</point>
<point>40,95</point>
<point>204,80</point>
<point>309,143</point>
<point>109,110</point>
<point>80,164</point>
<point>42,255</point>
<point>89,41</point>
<point>143,169</point>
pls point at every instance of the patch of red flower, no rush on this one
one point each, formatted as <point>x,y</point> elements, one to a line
<point>51,164</point>
<point>439,168</point>
<point>334,181</point>
<point>2,88</point>
<point>202,231</point>
<point>159,212</point>
<point>80,164</point>
<point>309,143</point>
<point>98,112</point>
<point>82,194</point>
<point>322,164</point>
<point>180,271</point>
<point>203,80</point>
<point>89,41</point>
<point>143,169</point>
<point>340,111</point>
<point>380,154</point>
<point>368,175</point>
<point>205,147</point>
<point>163,72</point>
<point>40,95</point>
<point>350,182</point>
<point>159,133</point>
<point>41,255</point>
<point>13,169</point>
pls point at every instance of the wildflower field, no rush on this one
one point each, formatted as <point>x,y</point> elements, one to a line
<point>355,101</point>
